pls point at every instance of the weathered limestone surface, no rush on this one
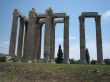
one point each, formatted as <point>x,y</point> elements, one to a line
<point>30,41</point>
<point>99,40</point>
<point>66,39</point>
<point>12,46</point>
<point>47,36</point>
<point>82,40</point>
<point>38,47</point>
<point>25,37</point>
<point>52,44</point>
<point>98,36</point>
<point>20,39</point>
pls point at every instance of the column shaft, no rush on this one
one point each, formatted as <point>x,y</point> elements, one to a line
<point>12,46</point>
<point>20,39</point>
<point>99,40</point>
<point>82,41</point>
<point>52,51</point>
<point>25,37</point>
<point>39,37</point>
<point>30,41</point>
<point>66,39</point>
<point>47,37</point>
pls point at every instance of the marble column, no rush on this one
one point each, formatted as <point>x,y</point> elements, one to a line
<point>25,37</point>
<point>66,39</point>
<point>39,37</point>
<point>99,40</point>
<point>20,40</point>
<point>30,46</point>
<point>52,44</point>
<point>12,46</point>
<point>82,41</point>
<point>47,36</point>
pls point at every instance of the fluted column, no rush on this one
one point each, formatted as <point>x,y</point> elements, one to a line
<point>47,36</point>
<point>66,40</point>
<point>30,46</point>
<point>25,37</point>
<point>39,37</point>
<point>12,46</point>
<point>99,40</point>
<point>52,51</point>
<point>20,39</point>
<point>82,40</point>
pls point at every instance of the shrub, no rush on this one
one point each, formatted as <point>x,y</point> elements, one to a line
<point>3,59</point>
<point>93,62</point>
<point>71,61</point>
<point>107,61</point>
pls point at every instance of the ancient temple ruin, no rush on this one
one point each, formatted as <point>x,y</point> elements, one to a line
<point>98,36</point>
<point>30,32</point>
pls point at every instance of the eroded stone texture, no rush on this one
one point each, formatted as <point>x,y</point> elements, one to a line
<point>38,48</point>
<point>47,36</point>
<point>20,40</point>
<point>82,40</point>
<point>66,39</point>
<point>99,40</point>
<point>25,37</point>
<point>52,47</point>
<point>30,40</point>
<point>12,46</point>
<point>98,36</point>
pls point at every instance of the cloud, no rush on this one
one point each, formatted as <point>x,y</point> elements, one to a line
<point>106,14</point>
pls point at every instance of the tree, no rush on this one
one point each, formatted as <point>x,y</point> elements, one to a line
<point>59,55</point>
<point>107,61</point>
<point>93,62</point>
<point>87,56</point>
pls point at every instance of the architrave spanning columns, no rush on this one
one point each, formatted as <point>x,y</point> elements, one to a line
<point>98,37</point>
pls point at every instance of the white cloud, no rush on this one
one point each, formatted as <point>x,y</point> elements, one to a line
<point>106,14</point>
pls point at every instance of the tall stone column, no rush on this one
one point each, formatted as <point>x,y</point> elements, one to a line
<point>52,48</point>
<point>25,37</point>
<point>66,39</point>
<point>82,41</point>
<point>12,46</point>
<point>30,46</point>
<point>99,40</point>
<point>47,36</point>
<point>20,39</point>
<point>39,37</point>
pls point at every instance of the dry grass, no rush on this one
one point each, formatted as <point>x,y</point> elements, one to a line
<point>40,72</point>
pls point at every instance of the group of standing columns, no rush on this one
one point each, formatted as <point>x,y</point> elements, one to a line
<point>98,36</point>
<point>30,34</point>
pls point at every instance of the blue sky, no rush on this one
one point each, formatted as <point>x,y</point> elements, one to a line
<point>73,8</point>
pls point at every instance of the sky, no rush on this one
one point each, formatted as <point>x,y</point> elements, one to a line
<point>73,8</point>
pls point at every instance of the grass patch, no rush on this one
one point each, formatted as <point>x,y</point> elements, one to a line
<point>40,72</point>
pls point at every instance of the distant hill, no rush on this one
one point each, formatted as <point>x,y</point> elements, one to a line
<point>1,54</point>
